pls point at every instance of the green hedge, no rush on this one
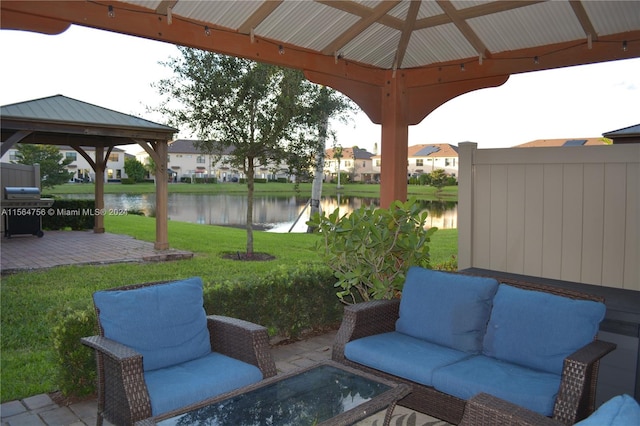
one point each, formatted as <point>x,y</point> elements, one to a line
<point>206,180</point>
<point>74,214</point>
<point>288,301</point>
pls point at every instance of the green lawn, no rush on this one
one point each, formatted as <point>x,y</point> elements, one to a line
<point>26,299</point>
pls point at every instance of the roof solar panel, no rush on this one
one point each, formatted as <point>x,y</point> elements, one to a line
<point>426,151</point>
<point>575,142</point>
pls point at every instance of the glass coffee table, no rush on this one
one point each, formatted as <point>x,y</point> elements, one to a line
<point>325,394</point>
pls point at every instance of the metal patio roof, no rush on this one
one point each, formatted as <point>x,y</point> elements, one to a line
<point>60,120</point>
<point>62,109</point>
<point>409,34</point>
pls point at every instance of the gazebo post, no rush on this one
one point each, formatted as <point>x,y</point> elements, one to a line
<point>162,189</point>
<point>395,143</point>
<point>100,162</point>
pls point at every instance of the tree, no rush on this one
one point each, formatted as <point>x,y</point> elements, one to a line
<point>257,114</point>
<point>337,154</point>
<point>438,179</point>
<point>134,169</point>
<point>52,163</point>
<point>328,104</point>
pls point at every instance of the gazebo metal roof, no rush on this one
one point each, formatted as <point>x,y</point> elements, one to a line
<point>398,60</point>
<point>60,108</point>
<point>60,120</point>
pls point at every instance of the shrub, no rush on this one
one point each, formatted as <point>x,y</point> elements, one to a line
<point>288,301</point>
<point>205,180</point>
<point>371,250</point>
<point>450,265</point>
<point>74,214</point>
<point>76,363</point>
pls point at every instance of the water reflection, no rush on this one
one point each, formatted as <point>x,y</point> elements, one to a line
<point>270,212</point>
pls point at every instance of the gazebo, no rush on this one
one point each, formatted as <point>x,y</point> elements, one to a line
<point>59,120</point>
<point>398,60</point>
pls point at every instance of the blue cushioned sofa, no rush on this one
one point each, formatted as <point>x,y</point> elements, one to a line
<point>452,336</point>
<point>157,351</point>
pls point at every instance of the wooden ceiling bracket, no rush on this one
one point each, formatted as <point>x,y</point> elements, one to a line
<point>150,149</point>
<point>85,155</point>
<point>14,139</point>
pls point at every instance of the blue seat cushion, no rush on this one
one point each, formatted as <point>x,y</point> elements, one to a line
<point>401,355</point>
<point>535,390</point>
<point>166,323</point>
<point>445,308</point>
<point>539,330</point>
<point>196,380</point>
<point>621,410</point>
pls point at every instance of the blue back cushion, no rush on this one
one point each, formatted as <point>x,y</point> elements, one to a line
<point>446,308</point>
<point>166,323</point>
<point>539,330</point>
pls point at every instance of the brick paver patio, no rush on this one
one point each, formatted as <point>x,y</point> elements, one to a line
<point>57,248</point>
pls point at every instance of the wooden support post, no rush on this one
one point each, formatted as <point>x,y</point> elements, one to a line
<point>162,189</point>
<point>98,219</point>
<point>395,137</point>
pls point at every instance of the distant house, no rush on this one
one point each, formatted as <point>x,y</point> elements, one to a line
<point>425,158</point>
<point>541,143</point>
<point>356,162</point>
<point>187,161</point>
<point>629,134</point>
<point>82,171</point>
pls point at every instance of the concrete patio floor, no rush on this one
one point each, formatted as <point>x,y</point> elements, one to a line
<point>56,248</point>
<point>41,410</point>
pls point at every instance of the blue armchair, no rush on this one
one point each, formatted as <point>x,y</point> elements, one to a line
<point>157,351</point>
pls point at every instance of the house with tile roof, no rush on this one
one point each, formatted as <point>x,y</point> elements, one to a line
<point>425,158</point>
<point>545,143</point>
<point>356,162</point>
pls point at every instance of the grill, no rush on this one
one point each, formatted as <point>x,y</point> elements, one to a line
<point>23,209</point>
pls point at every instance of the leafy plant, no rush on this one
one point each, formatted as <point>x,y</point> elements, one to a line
<point>371,249</point>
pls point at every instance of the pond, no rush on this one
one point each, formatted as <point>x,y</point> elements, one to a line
<point>270,212</point>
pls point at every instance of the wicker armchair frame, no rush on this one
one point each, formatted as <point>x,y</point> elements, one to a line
<point>576,397</point>
<point>123,398</point>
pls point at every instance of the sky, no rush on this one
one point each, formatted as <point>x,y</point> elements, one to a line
<point>116,71</point>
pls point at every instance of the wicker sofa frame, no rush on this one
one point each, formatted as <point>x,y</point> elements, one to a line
<point>576,397</point>
<point>123,398</point>
<point>485,409</point>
